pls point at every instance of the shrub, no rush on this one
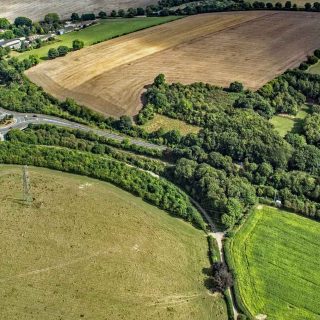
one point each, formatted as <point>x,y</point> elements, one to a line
<point>236,87</point>
<point>63,50</point>
<point>288,5</point>
<point>312,60</point>
<point>303,66</point>
<point>53,53</point>
<point>222,278</point>
<point>77,44</point>
<point>308,6</point>
<point>317,53</point>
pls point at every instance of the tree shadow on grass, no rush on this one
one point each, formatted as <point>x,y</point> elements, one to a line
<point>208,281</point>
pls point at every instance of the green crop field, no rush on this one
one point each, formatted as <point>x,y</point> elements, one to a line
<point>276,257</point>
<point>286,124</point>
<point>167,124</point>
<point>104,30</point>
<point>86,249</point>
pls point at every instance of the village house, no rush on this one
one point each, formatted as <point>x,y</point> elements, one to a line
<point>12,43</point>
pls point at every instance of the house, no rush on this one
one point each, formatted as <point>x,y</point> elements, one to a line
<point>65,30</point>
<point>12,43</point>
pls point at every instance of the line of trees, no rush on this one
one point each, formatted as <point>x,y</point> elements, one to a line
<point>81,141</point>
<point>158,192</point>
<point>62,51</point>
<point>165,7</point>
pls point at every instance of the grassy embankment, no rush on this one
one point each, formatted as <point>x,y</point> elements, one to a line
<point>276,256</point>
<point>104,30</point>
<point>86,249</point>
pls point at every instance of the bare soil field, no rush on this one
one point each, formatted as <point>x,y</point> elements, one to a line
<point>251,47</point>
<point>37,9</point>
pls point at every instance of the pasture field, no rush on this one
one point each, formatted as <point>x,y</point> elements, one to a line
<point>37,9</point>
<point>250,47</point>
<point>286,123</point>
<point>167,124</point>
<point>104,30</point>
<point>276,256</point>
<point>86,249</point>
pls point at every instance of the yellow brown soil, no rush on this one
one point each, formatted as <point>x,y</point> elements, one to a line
<point>37,9</point>
<point>251,47</point>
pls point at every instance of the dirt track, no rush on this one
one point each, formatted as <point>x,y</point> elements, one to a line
<point>36,9</point>
<point>251,47</point>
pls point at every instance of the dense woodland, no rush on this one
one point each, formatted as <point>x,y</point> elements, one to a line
<point>237,146</point>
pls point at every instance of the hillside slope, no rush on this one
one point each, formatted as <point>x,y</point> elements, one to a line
<point>86,249</point>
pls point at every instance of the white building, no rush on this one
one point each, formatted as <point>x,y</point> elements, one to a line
<point>12,43</point>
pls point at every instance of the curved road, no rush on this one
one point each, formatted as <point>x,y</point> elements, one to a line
<point>22,120</point>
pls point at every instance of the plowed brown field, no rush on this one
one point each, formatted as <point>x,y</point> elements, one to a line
<point>37,9</point>
<point>251,47</point>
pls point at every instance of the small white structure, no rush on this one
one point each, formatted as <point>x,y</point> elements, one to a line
<point>12,43</point>
<point>278,203</point>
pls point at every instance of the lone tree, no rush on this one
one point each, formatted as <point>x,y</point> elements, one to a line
<point>53,53</point>
<point>102,15</point>
<point>63,50</point>
<point>75,17</point>
<point>52,18</point>
<point>222,278</point>
<point>23,21</point>
<point>77,44</point>
<point>159,80</point>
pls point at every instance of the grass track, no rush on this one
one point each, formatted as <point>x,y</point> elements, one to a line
<point>88,248</point>
<point>105,30</point>
<point>276,257</point>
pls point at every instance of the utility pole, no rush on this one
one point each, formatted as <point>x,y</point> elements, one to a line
<point>27,198</point>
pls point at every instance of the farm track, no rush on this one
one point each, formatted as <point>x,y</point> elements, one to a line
<point>36,9</point>
<point>251,47</point>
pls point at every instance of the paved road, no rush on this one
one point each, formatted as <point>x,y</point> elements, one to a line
<point>22,120</point>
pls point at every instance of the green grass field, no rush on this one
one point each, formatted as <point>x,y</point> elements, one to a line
<point>167,124</point>
<point>86,249</point>
<point>105,30</point>
<point>315,69</point>
<point>276,256</point>
<point>284,124</point>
